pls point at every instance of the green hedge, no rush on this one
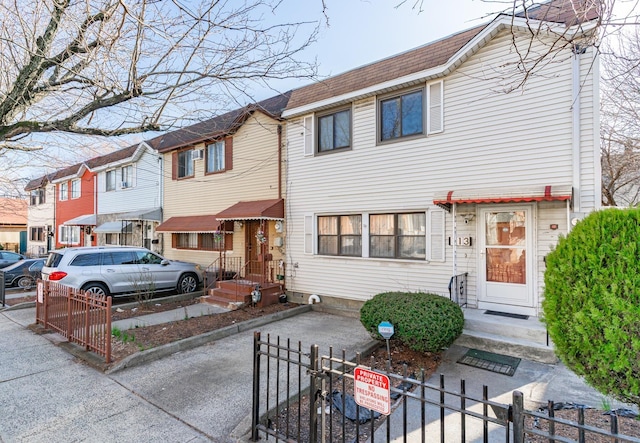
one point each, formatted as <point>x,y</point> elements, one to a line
<point>422,321</point>
<point>592,301</point>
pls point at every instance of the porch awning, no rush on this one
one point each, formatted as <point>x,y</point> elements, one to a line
<point>504,195</point>
<point>190,223</point>
<point>82,220</point>
<point>113,227</point>
<point>154,214</point>
<point>254,210</point>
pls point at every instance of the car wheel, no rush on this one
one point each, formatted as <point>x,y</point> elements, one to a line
<point>25,282</point>
<point>96,289</point>
<point>187,283</point>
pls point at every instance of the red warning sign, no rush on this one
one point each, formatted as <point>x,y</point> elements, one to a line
<point>372,390</point>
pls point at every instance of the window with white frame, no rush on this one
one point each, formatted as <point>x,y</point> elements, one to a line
<point>75,188</point>
<point>110,180</point>
<point>64,191</point>
<point>185,164</point>
<point>37,233</point>
<point>340,235</point>
<point>111,238</point>
<point>398,235</point>
<point>69,235</point>
<point>215,156</point>
<point>334,131</point>
<point>126,176</point>
<point>37,197</point>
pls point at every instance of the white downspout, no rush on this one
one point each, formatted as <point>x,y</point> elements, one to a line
<point>575,112</point>
<point>454,240</point>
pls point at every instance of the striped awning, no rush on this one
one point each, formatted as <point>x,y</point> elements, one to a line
<point>503,195</point>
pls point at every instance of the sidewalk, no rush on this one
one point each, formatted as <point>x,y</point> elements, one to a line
<point>204,394</point>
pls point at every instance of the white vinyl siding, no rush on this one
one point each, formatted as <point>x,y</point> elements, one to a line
<point>492,140</point>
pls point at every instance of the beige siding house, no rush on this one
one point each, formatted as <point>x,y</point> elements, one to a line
<point>40,216</point>
<point>223,204</point>
<point>412,170</point>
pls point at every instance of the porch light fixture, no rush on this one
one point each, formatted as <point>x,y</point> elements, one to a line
<point>238,224</point>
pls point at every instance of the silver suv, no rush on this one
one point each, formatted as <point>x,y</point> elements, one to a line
<point>106,270</point>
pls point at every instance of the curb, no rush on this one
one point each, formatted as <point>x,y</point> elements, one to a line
<point>140,358</point>
<point>25,305</point>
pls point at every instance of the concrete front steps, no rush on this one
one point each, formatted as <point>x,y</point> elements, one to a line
<point>233,294</point>
<point>508,336</point>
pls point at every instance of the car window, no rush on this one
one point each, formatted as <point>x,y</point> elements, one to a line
<point>53,260</point>
<point>148,258</point>
<point>86,260</point>
<point>37,266</point>
<point>119,258</point>
<point>11,256</point>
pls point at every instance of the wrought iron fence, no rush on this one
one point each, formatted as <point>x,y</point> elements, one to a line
<point>79,316</point>
<point>301,396</point>
<point>458,289</point>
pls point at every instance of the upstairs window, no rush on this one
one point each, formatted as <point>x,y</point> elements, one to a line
<point>126,176</point>
<point>413,113</point>
<point>64,191</point>
<point>110,180</point>
<point>75,188</point>
<point>215,156</point>
<point>398,236</point>
<point>37,197</point>
<point>401,116</point>
<point>185,164</point>
<point>334,131</point>
<point>340,235</point>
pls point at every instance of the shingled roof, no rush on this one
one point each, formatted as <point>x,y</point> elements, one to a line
<point>218,126</point>
<point>431,55</point>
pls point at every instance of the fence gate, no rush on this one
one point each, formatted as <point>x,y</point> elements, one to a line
<point>301,396</point>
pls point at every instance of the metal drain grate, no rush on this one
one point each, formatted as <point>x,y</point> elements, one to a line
<point>502,364</point>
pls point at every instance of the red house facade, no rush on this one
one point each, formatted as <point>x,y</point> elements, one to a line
<point>75,213</point>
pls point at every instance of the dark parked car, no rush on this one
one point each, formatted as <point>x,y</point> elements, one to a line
<point>8,258</point>
<point>24,273</point>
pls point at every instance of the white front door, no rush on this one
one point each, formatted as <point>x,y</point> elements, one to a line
<point>506,259</point>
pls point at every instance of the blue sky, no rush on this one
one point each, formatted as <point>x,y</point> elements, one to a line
<point>362,31</point>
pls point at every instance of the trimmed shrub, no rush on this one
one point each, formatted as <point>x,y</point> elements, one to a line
<point>592,301</point>
<point>423,322</point>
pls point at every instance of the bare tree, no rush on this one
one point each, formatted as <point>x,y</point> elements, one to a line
<point>114,67</point>
<point>620,121</point>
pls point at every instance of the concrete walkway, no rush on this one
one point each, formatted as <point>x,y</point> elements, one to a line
<point>204,394</point>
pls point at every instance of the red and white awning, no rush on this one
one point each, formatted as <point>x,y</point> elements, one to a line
<point>504,195</point>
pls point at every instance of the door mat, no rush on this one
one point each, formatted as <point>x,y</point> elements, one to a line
<point>508,314</point>
<point>502,364</point>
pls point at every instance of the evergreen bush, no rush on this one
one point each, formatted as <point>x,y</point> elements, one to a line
<point>424,322</point>
<point>592,301</point>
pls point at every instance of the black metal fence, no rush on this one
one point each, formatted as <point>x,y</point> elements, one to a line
<point>301,396</point>
<point>458,289</point>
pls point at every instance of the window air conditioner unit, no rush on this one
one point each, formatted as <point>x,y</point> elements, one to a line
<point>124,185</point>
<point>197,154</point>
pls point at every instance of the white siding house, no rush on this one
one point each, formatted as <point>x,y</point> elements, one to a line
<point>410,170</point>
<point>40,217</point>
<point>129,196</point>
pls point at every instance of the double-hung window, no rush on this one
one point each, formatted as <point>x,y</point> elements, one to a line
<point>75,188</point>
<point>110,180</point>
<point>215,156</point>
<point>64,195</point>
<point>398,235</point>
<point>185,164</point>
<point>334,131</point>
<point>126,175</point>
<point>340,235</point>
<point>33,198</point>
